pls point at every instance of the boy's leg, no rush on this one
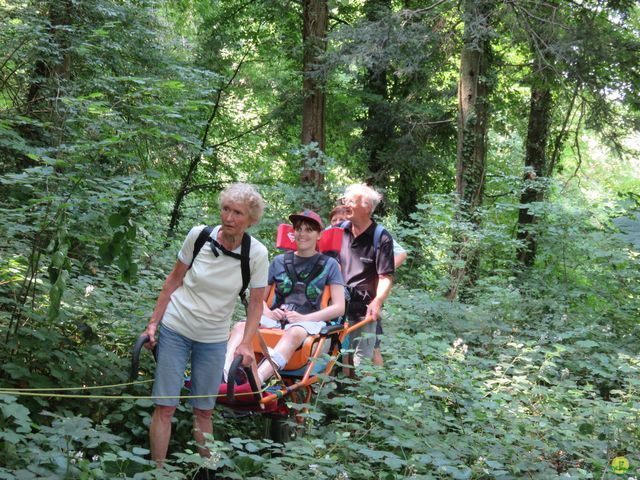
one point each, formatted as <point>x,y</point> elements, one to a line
<point>290,341</point>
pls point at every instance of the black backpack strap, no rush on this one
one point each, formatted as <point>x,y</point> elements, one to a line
<point>314,271</point>
<point>245,255</point>
<point>289,267</point>
<point>245,268</point>
<point>200,241</point>
<point>317,269</point>
<point>377,234</point>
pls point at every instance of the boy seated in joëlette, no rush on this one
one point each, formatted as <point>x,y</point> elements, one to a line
<point>300,279</point>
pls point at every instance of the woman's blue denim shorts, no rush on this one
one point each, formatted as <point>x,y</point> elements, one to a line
<point>207,363</point>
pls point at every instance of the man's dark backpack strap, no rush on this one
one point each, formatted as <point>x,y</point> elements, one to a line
<point>245,268</point>
<point>200,241</point>
<point>377,233</point>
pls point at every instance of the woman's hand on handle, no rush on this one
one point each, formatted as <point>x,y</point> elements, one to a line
<point>247,354</point>
<point>150,331</point>
<point>256,296</point>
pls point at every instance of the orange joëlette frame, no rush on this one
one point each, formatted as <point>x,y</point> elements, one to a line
<point>308,354</point>
<point>272,336</point>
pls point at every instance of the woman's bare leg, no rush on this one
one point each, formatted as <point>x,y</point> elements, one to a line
<point>160,433</point>
<point>202,425</point>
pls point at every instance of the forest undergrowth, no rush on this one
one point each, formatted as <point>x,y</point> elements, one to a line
<point>537,376</point>
<point>515,190</point>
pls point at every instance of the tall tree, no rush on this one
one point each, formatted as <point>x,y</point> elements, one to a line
<point>576,50</point>
<point>187,184</point>
<point>314,37</point>
<point>229,44</point>
<point>542,39</point>
<point>406,118</point>
<point>50,73</point>
<point>535,166</point>
<point>473,116</point>
<point>378,129</point>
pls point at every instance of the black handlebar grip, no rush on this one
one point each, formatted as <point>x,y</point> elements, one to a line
<point>253,381</point>
<point>231,381</point>
<point>135,356</point>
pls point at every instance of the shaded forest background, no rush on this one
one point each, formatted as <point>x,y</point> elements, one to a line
<point>504,135</point>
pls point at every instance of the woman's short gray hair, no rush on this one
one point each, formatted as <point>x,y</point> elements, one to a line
<point>372,197</point>
<point>246,194</point>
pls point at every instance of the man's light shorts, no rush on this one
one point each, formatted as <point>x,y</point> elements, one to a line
<point>362,342</point>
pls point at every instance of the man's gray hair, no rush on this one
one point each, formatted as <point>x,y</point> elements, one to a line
<point>372,197</point>
<point>245,194</point>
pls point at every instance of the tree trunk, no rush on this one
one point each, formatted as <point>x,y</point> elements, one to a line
<point>407,196</point>
<point>316,17</point>
<point>60,14</point>
<point>473,90</point>
<point>194,162</point>
<point>378,129</point>
<point>49,74</point>
<point>472,129</point>
<point>536,166</point>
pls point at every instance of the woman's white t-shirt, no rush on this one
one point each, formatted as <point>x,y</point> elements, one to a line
<point>201,308</point>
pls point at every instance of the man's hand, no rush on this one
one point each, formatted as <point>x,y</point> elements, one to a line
<point>247,354</point>
<point>383,289</point>
<point>374,308</point>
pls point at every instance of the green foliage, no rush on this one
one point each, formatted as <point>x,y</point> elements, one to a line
<point>396,63</point>
<point>104,107</point>
<point>121,245</point>
<point>65,448</point>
